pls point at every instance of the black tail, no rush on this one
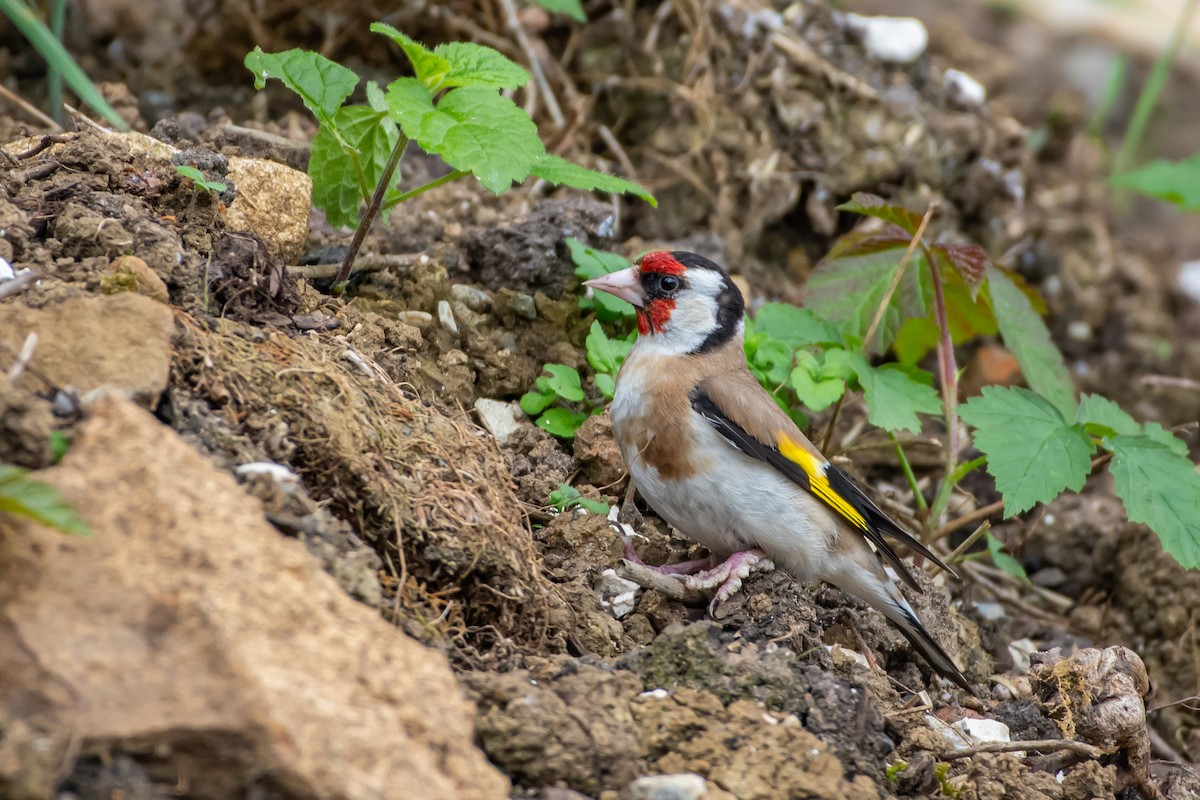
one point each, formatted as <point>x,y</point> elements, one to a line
<point>902,615</point>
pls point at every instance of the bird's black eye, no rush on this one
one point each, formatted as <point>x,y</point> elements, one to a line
<point>669,283</point>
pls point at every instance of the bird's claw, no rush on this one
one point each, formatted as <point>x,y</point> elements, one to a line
<point>727,577</point>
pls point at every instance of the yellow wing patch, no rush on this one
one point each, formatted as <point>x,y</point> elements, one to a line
<point>818,483</point>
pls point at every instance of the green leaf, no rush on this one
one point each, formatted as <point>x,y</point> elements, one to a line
<point>968,317</point>
<point>895,394</point>
<point>592,263</point>
<point>347,160</point>
<point>1004,561</point>
<point>561,422</point>
<point>606,384</point>
<point>559,171</point>
<point>59,445</point>
<point>323,85</point>
<point>38,501</point>
<point>534,403</point>
<point>604,354</point>
<point>1095,410</point>
<point>847,291</point>
<point>771,362</point>
<point>1159,488</point>
<point>430,68</point>
<point>410,103</point>
<point>870,205</point>
<point>1177,182</point>
<point>1027,336</point>
<point>197,177</point>
<point>969,261</point>
<point>572,8</point>
<point>816,393</point>
<point>477,65</point>
<point>376,98</point>
<point>476,130</point>
<point>795,326</point>
<point>1033,452</point>
<point>564,381</point>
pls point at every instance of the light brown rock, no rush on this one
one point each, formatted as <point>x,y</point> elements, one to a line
<point>144,280</point>
<point>122,341</point>
<point>187,627</point>
<point>274,201</point>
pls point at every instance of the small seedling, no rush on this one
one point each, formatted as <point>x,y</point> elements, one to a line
<point>567,497</point>
<point>198,180</point>
<point>26,497</point>
<point>1176,182</point>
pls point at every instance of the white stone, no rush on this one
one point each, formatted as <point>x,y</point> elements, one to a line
<point>497,417</point>
<point>281,475</point>
<point>446,316</point>
<point>6,271</point>
<point>655,694</point>
<point>686,786</point>
<point>963,89</point>
<point>898,40</point>
<point>1020,650</point>
<point>983,731</point>
<point>618,596</point>
<point>1189,279</point>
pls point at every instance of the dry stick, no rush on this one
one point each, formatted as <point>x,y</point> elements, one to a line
<point>20,283</point>
<point>1045,745</point>
<point>962,548</point>
<point>535,62</point>
<point>1171,381</point>
<point>966,519</point>
<point>666,585</point>
<point>879,312</point>
<point>28,108</point>
<point>370,262</point>
<point>23,358</point>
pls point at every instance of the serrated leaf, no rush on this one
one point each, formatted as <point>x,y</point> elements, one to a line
<point>969,261</point>
<point>409,103</point>
<point>895,394</point>
<point>534,403</point>
<point>559,171</point>
<point>347,159</point>
<point>592,263</point>
<point>430,68</point>
<point>814,392</point>
<point>604,354</point>
<point>561,422</point>
<point>1027,337</point>
<point>1096,410</point>
<point>1003,560</point>
<point>572,8</point>
<point>477,130</point>
<point>1033,452</point>
<point>794,326</point>
<point>564,381</point>
<point>968,318</point>
<point>1177,182</point>
<point>1161,489</point>
<point>870,205</point>
<point>39,501</point>
<point>323,85</point>
<point>477,65</point>
<point>861,242</point>
<point>847,292</point>
<point>376,98</point>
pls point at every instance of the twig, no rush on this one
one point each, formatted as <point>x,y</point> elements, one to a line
<point>898,275</point>
<point>970,540</point>
<point>804,57</point>
<point>535,62</point>
<point>1043,745</point>
<point>618,151</point>
<point>665,585</point>
<point>28,108</point>
<point>371,262</point>
<point>24,279</point>
<point>23,358</point>
<point>966,519</point>
<point>1171,381</point>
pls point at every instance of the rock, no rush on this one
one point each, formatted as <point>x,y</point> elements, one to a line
<point>498,417</point>
<point>1189,279</point>
<point>618,596</point>
<point>962,89</point>
<point>446,317</point>
<point>688,786</point>
<point>421,320</point>
<point>120,341</point>
<point>597,452</point>
<point>898,40</point>
<point>144,280</point>
<point>983,731</point>
<point>187,634</point>
<point>523,305</point>
<point>477,300</point>
<point>274,201</point>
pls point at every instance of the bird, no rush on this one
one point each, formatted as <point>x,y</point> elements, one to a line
<point>717,458</point>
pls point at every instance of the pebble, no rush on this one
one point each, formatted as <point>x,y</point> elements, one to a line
<point>618,596</point>
<point>685,786</point>
<point>497,417</point>
<point>523,306</point>
<point>446,316</point>
<point>418,319</point>
<point>7,273</point>
<point>1189,279</point>
<point>962,89</point>
<point>898,40</point>
<point>475,299</point>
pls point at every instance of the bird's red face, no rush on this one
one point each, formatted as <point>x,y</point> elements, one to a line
<point>650,285</point>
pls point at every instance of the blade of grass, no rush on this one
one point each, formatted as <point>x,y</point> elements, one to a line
<point>40,36</point>
<point>54,78</point>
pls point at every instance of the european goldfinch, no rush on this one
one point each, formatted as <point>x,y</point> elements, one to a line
<point>717,458</point>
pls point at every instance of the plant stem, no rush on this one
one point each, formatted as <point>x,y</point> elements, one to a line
<point>891,290</point>
<point>372,211</point>
<point>433,184</point>
<point>948,372</point>
<point>908,473</point>
<point>1155,82</point>
<point>54,76</point>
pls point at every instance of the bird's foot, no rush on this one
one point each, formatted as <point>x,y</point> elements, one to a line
<point>727,577</point>
<point>682,568</point>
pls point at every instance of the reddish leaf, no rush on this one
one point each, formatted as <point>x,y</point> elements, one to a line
<point>870,205</point>
<point>865,243</point>
<point>968,260</point>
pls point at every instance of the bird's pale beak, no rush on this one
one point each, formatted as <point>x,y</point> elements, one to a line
<point>623,284</point>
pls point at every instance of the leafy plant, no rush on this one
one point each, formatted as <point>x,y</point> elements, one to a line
<point>559,401</point>
<point>452,107</point>
<point>1176,182</point>
<point>572,8</point>
<point>567,497</point>
<point>198,180</point>
<point>38,501</point>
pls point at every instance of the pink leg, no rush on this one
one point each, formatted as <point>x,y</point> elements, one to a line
<point>682,568</point>
<point>728,576</point>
